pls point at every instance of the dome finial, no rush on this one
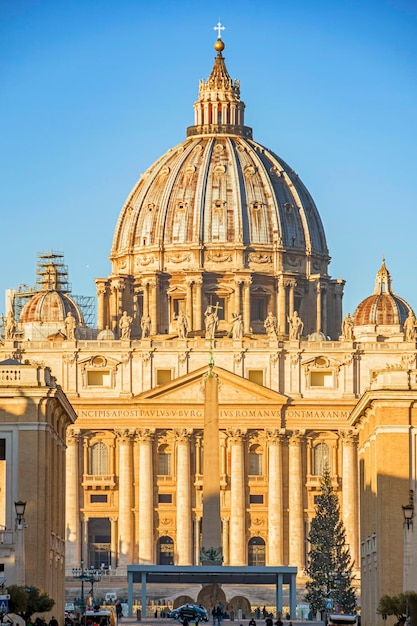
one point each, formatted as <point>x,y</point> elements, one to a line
<point>219,29</point>
<point>219,45</point>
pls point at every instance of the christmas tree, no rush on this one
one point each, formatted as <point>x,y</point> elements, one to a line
<point>329,562</point>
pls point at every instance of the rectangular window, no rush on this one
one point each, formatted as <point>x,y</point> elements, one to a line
<point>179,306</point>
<point>163,376</point>
<point>98,378</point>
<point>321,379</point>
<point>255,464</point>
<point>256,498</point>
<point>98,497</point>
<point>257,309</point>
<point>256,376</point>
<point>164,464</point>
<point>165,498</point>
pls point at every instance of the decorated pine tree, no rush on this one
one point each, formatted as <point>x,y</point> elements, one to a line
<point>329,563</point>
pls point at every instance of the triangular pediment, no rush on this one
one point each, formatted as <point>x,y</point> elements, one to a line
<point>233,389</point>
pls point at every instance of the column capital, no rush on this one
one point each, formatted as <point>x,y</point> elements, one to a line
<point>348,436</point>
<point>73,437</point>
<point>236,436</point>
<point>118,284</point>
<point>102,286</point>
<point>290,282</point>
<point>144,435</point>
<point>276,436</point>
<point>124,435</point>
<point>296,437</point>
<point>182,435</point>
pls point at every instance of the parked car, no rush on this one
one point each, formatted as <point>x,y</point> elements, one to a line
<point>195,612</point>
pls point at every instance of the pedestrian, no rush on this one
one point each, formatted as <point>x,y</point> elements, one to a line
<point>252,622</point>
<point>119,611</point>
<point>53,621</point>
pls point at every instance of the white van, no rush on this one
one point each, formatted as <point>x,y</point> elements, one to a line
<point>111,597</point>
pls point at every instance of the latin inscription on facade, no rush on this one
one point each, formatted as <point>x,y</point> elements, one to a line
<point>224,413</point>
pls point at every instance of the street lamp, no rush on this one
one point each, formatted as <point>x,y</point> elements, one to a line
<point>20,525</point>
<point>408,510</point>
<point>86,574</point>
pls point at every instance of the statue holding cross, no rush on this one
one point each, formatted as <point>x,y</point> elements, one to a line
<point>211,320</point>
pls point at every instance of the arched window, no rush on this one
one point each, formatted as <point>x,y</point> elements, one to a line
<point>99,459</point>
<point>256,551</point>
<point>321,458</point>
<point>165,551</point>
<point>255,461</point>
<point>164,461</point>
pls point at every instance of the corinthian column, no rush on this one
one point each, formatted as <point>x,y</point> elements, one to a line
<point>275,508</point>
<point>101,290</point>
<point>318,307</point>
<point>295,497</point>
<point>146,531</point>
<point>184,519</point>
<point>237,543</point>
<point>246,305</point>
<point>72,499</point>
<point>189,302</point>
<point>125,499</point>
<point>198,295</point>
<point>154,305</point>
<point>350,492</point>
<point>281,305</point>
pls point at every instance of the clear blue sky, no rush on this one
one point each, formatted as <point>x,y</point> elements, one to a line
<point>93,91</point>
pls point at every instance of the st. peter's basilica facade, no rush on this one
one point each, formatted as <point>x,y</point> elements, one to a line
<point>220,264</point>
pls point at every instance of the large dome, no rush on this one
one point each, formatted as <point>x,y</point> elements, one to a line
<point>219,187</point>
<point>217,209</point>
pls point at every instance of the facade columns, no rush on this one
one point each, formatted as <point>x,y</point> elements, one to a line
<point>237,305</point>
<point>101,290</point>
<point>324,312</point>
<point>318,308</point>
<point>197,542</point>
<point>295,499</point>
<point>246,305</point>
<point>225,539</point>
<point>125,499</point>
<point>146,529</point>
<point>113,542</point>
<point>350,497</point>
<point>238,549</point>
<point>292,284</point>
<point>183,508</point>
<point>154,305</point>
<point>281,305</point>
<point>72,499</point>
<point>198,303</point>
<point>145,299</point>
<point>275,502</point>
<point>189,302</point>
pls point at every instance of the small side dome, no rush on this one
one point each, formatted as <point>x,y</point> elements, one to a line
<point>106,334</point>
<point>50,306</point>
<point>383,313</point>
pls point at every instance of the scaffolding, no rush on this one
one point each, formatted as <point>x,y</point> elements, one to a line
<point>52,274</point>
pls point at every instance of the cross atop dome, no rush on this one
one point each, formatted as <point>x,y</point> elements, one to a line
<point>219,29</point>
